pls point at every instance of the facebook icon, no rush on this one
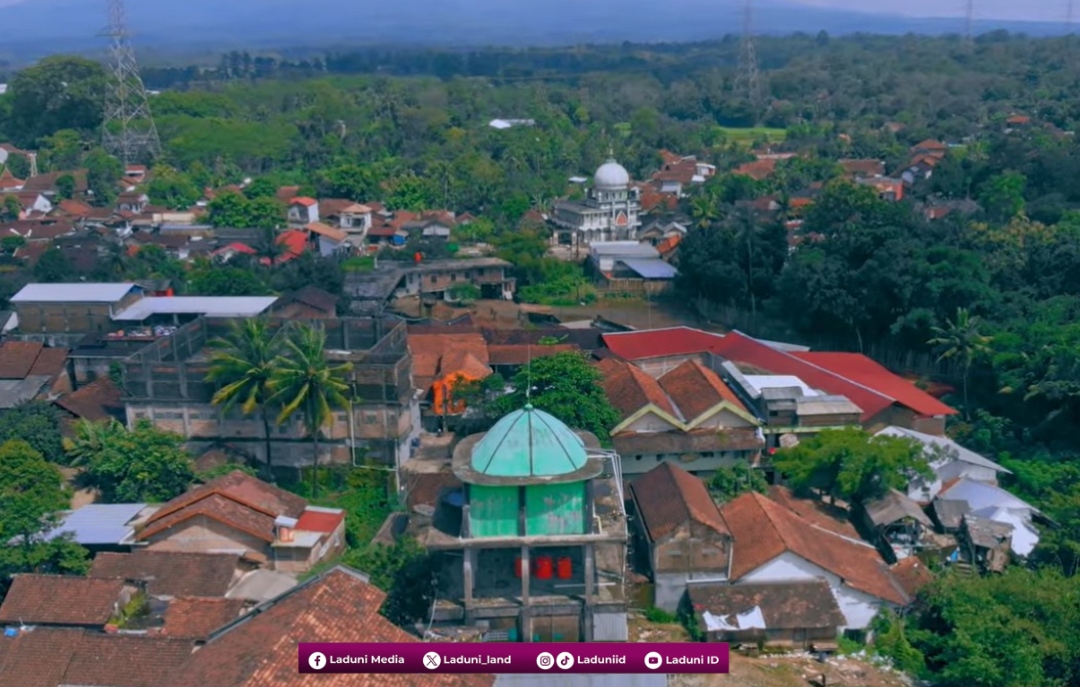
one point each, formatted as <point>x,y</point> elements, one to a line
<point>317,661</point>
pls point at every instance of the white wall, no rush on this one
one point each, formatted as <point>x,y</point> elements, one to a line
<point>946,472</point>
<point>724,419</point>
<point>858,608</point>
<point>650,422</point>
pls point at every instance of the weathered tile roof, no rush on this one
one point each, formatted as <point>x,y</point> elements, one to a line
<point>697,390</point>
<point>17,358</point>
<point>244,489</point>
<point>60,600</point>
<point>98,400</point>
<point>219,508</point>
<point>668,496</point>
<point>338,606</point>
<point>784,605</point>
<point>198,618</point>
<point>170,573</point>
<point>629,388</point>
<point>763,530</point>
<point>912,574</point>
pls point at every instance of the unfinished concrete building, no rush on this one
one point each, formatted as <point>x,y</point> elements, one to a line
<point>165,382</point>
<point>534,545</point>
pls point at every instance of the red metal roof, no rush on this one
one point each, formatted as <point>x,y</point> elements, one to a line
<point>863,370</point>
<point>656,343</point>
<point>319,521</point>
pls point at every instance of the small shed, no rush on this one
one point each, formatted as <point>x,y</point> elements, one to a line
<point>986,542</point>
<point>799,615</point>
<point>897,523</point>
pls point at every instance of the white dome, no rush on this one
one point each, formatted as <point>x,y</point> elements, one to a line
<point>611,176</point>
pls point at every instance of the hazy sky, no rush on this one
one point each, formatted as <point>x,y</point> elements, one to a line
<point>1033,10</point>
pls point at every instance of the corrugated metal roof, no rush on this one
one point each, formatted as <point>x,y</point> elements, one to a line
<point>945,444</point>
<point>99,523</point>
<point>211,306</point>
<point>619,249</point>
<point>72,293</point>
<point>648,268</point>
<point>980,495</point>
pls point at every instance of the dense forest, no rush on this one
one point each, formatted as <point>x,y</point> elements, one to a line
<point>985,299</point>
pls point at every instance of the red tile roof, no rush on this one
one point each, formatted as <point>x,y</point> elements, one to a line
<point>758,169</point>
<point>438,355</point>
<point>295,242</point>
<point>912,574</point>
<point>668,496</point>
<point>74,208</point>
<point>817,513</point>
<point>286,193</point>
<point>657,343</point>
<point>862,370</point>
<point>170,573</point>
<point>17,358</point>
<point>60,600</point>
<point>338,606</point>
<point>763,530</point>
<point>696,390</point>
<point>629,388</point>
<point>868,168</point>
<point>47,657</point>
<point>98,400</point>
<point>320,521</point>
<point>197,618</point>
<point>50,362</point>
<point>219,508</point>
<point>327,231</point>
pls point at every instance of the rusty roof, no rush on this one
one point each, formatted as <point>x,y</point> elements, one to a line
<point>629,388</point>
<point>98,400</point>
<point>696,390</point>
<point>170,573</point>
<point>763,530</point>
<point>198,618</point>
<point>817,513</point>
<point>244,489</point>
<point>438,355</point>
<point>216,507</point>
<point>337,606</point>
<point>668,496</point>
<point>784,605</point>
<point>912,574</point>
<point>17,358</point>
<point>60,600</point>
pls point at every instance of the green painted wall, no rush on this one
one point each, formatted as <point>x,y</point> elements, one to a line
<point>555,509</point>
<point>493,511</point>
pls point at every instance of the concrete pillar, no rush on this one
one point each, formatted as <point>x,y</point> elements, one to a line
<point>590,574</point>
<point>467,575</point>
<point>526,609</point>
<point>589,519</point>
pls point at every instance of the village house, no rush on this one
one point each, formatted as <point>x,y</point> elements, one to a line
<point>171,574</point>
<point>29,370</point>
<point>64,601</point>
<point>102,527</point>
<point>948,460</point>
<point>302,211</point>
<point>242,515</point>
<point>309,303</point>
<point>444,357</point>
<point>962,498</point>
<point>535,541</point>
<point>897,525</point>
<point>774,545</point>
<point>687,415</point>
<point>681,535</point>
<point>165,382</point>
<point>679,173</point>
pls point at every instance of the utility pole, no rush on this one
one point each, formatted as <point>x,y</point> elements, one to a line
<point>747,78</point>
<point>128,131</point>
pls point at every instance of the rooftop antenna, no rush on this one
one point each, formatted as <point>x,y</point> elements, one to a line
<point>128,131</point>
<point>747,78</point>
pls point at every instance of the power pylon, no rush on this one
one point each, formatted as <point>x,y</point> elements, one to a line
<point>969,21</point>
<point>747,78</point>
<point>128,132</point>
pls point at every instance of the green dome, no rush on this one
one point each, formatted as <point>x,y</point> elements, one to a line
<point>529,443</point>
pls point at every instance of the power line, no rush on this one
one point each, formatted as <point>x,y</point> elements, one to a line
<point>128,131</point>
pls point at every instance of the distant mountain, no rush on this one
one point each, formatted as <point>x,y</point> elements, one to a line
<point>37,27</point>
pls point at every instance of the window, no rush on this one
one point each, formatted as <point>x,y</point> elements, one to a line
<point>453,276</point>
<point>170,415</point>
<point>370,418</point>
<point>433,279</point>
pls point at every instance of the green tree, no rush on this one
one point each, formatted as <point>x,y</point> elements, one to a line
<point>568,387</point>
<point>10,244</point>
<point>305,384</point>
<point>262,187</point>
<point>102,173</point>
<point>53,267</point>
<point>145,464</point>
<point>960,340</point>
<point>18,165</point>
<point>10,209</point>
<point>229,210</point>
<point>1003,195</point>
<point>172,188</point>
<point>265,213</point>
<point>225,280</point>
<point>65,187</point>
<point>728,483</point>
<point>62,151</point>
<point>852,464</point>
<point>32,492</point>
<point>242,365</point>
<point>59,92</point>
<point>405,571</point>
<point>38,424</point>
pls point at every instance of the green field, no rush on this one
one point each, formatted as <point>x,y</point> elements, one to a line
<point>751,134</point>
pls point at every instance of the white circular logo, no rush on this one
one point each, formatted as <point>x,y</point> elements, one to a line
<point>317,660</point>
<point>565,660</point>
<point>432,660</point>
<point>653,660</point>
<point>545,660</point>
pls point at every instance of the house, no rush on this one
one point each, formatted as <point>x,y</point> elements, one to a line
<point>687,415</point>
<point>897,525</point>
<point>259,650</point>
<point>327,240</point>
<point>965,497</point>
<point>164,382</point>
<point>891,190</point>
<point>758,169</point>
<point>309,303</point>
<point>32,203</point>
<point>535,544</point>
<point>801,615</point>
<point>197,618</point>
<point>681,531</point>
<point>302,211</point>
<point>773,544</point>
<point>28,370</point>
<point>661,229</point>
<point>62,309</point>
<point>64,601</point>
<point>58,657</point>
<point>863,168</point>
<point>46,183</point>
<point>169,574</point>
<point>239,513</point>
<point>443,360</point>
<point>680,173</point>
<point>985,543</point>
<point>912,574</point>
<point>132,201</point>
<point>630,260</point>
<point>102,527</point>
<point>948,460</point>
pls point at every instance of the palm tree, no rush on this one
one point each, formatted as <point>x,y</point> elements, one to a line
<point>304,382</point>
<point>243,362</point>
<point>88,440</point>
<point>961,341</point>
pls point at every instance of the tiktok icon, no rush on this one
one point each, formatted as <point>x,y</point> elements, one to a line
<point>317,661</point>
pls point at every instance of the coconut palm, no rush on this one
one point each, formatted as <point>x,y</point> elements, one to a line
<point>961,341</point>
<point>304,383</point>
<point>242,363</point>
<point>88,440</point>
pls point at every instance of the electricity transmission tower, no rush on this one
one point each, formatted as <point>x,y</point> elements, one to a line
<point>747,78</point>
<point>128,131</point>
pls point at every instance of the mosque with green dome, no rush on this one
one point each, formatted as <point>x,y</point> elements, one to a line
<point>534,543</point>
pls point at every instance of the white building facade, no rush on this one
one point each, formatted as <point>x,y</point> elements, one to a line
<point>610,212</point>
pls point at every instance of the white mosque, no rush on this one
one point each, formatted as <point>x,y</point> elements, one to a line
<point>610,211</point>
